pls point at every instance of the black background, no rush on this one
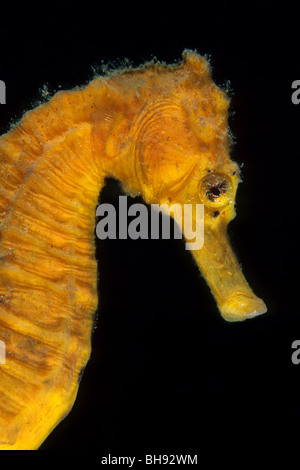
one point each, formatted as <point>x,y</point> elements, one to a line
<point>167,374</point>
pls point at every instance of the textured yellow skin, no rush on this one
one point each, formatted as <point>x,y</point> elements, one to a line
<point>160,130</point>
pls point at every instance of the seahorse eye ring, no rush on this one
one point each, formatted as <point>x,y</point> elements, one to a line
<point>216,190</point>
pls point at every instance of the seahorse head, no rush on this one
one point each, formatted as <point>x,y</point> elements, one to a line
<point>182,142</point>
<point>172,133</point>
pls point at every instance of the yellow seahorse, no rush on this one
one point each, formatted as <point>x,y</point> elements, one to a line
<point>162,131</point>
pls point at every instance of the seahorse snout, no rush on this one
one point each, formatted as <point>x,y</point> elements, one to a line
<point>220,268</point>
<point>241,306</point>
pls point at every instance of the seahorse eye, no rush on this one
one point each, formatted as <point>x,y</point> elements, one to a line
<point>216,190</point>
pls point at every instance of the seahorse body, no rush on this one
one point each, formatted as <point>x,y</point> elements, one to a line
<point>162,132</point>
